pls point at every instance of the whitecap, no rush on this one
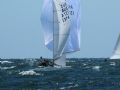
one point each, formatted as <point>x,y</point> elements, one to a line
<point>97,68</point>
<point>87,67</point>
<point>5,68</point>
<point>30,72</point>
<point>62,88</point>
<point>84,64</point>
<point>72,86</point>
<point>4,62</point>
<point>70,83</point>
<point>112,63</point>
<point>69,87</point>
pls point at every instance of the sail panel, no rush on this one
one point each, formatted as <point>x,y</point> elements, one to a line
<point>47,23</point>
<point>64,24</point>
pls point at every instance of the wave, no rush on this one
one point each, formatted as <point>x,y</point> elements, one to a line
<point>6,62</point>
<point>69,87</point>
<point>112,63</point>
<point>97,68</point>
<point>29,72</point>
<point>5,68</point>
<point>84,64</point>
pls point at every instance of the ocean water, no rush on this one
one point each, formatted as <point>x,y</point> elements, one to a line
<point>83,74</point>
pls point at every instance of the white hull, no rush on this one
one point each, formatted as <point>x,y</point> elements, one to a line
<point>61,62</point>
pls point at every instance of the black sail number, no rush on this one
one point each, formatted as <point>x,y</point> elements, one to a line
<point>67,11</point>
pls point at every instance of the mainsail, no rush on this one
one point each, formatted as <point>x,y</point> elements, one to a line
<point>61,23</point>
<point>116,52</point>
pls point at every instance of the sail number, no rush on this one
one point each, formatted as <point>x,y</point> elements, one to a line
<point>67,11</point>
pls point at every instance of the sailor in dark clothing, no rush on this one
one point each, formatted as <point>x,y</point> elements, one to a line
<point>105,60</point>
<point>41,58</point>
<point>45,62</point>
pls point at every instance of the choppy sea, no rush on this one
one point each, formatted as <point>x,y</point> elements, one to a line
<point>83,74</point>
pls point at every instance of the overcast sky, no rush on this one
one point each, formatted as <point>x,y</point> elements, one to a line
<point>21,35</point>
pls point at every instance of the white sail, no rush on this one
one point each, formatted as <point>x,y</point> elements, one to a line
<point>64,25</point>
<point>116,52</point>
<point>61,23</point>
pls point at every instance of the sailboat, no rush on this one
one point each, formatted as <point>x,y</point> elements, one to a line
<point>60,20</point>
<point>116,51</point>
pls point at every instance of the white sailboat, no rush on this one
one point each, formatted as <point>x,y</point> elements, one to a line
<point>60,20</point>
<point>116,51</point>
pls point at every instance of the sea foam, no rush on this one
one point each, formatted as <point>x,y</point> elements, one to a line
<point>30,72</point>
<point>5,68</point>
<point>4,62</point>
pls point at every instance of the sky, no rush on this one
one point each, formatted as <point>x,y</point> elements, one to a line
<point>21,35</point>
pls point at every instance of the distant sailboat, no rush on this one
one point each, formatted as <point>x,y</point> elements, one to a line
<point>60,20</point>
<point>116,52</point>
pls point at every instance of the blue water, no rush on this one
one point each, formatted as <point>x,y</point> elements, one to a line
<point>84,74</point>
